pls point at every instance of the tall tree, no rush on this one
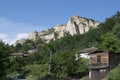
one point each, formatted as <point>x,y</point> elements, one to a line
<point>116,30</point>
<point>4,50</point>
<point>110,42</point>
<point>64,65</point>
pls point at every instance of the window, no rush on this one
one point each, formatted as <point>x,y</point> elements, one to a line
<point>103,70</point>
<point>98,59</point>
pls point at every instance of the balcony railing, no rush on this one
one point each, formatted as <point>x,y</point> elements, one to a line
<point>98,65</point>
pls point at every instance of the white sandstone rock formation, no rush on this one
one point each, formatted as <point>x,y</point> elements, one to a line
<point>75,26</point>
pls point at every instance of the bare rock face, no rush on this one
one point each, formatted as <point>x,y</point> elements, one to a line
<point>45,35</point>
<point>79,25</point>
<point>21,41</point>
<point>76,25</point>
<point>33,35</point>
<point>60,30</point>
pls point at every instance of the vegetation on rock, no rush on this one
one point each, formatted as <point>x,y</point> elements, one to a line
<point>56,59</point>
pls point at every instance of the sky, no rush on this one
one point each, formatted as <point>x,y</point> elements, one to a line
<point>18,18</point>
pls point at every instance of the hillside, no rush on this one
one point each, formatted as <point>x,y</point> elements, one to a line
<point>56,59</point>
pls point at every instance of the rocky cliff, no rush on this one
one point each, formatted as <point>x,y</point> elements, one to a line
<point>76,25</point>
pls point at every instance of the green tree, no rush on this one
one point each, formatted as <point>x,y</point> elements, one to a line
<point>109,24</point>
<point>117,17</point>
<point>114,74</point>
<point>37,72</point>
<point>17,64</point>
<point>4,60</point>
<point>110,42</point>
<point>64,65</point>
<point>116,30</point>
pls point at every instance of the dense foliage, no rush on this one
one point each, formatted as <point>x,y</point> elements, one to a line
<point>114,74</point>
<point>4,60</point>
<point>56,60</point>
<point>64,64</point>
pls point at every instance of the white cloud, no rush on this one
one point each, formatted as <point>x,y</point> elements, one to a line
<point>6,39</point>
<point>19,37</point>
<point>16,30</point>
<point>22,36</point>
<point>3,36</point>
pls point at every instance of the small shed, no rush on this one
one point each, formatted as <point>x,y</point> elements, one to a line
<point>98,64</point>
<point>101,62</point>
